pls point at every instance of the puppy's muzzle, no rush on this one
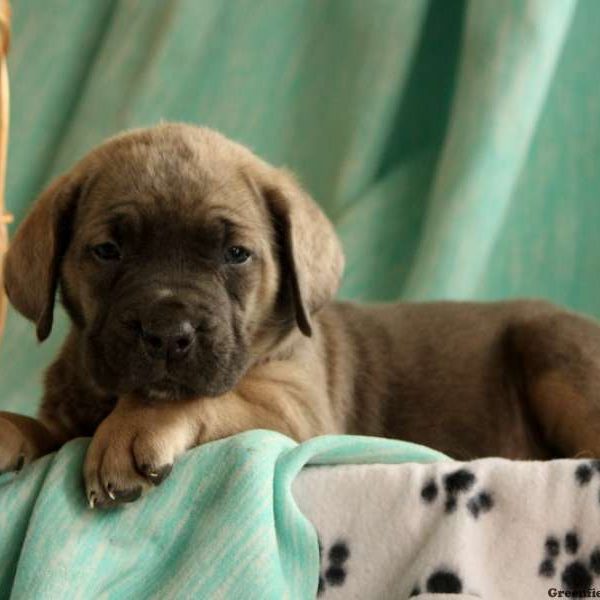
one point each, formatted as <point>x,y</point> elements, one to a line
<point>168,340</point>
<point>167,331</point>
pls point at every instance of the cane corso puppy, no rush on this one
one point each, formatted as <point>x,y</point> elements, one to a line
<point>200,281</point>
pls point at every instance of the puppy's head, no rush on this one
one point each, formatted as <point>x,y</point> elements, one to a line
<point>181,258</point>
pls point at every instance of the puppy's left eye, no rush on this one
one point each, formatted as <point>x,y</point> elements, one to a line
<point>108,251</point>
<point>236,255</point>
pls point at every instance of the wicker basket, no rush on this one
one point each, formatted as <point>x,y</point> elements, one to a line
<point>4,116</point>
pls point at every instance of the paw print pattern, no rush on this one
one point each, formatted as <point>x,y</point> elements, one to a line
<point>441,581</point>
<point>457,483</point>
<point>584,473</point>
<point>579,573</point>
<point>334,571</point>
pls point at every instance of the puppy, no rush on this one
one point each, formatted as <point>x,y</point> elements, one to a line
<point>200,284</point>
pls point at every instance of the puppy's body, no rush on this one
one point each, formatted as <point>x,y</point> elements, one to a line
<point>443,374</point>
<point>450,375</point>
<point>200,280</point>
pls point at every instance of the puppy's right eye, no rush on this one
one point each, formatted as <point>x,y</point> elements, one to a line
<point>107,251</point>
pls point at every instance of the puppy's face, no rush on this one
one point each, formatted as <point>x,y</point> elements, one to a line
<point>171,272</point>
<point>182,259</point>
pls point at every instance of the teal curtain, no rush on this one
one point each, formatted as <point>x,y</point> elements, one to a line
<point>454,143</point>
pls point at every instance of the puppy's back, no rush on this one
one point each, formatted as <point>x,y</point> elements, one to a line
<point>433,372</point>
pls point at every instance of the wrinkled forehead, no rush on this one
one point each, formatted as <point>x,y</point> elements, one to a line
<point>166,182</point>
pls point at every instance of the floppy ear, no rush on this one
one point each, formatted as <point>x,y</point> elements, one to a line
<point>32,263</point>
<point>312,255</point>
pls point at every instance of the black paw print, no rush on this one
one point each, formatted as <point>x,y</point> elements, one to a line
<point>456,483</point>
<point>333,572</point>
<point>577,575</point>
<point>585,472</point>
<point>441,581</point>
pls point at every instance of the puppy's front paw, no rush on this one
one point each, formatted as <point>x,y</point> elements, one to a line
<point>15,449</point>
<point>130,452</point>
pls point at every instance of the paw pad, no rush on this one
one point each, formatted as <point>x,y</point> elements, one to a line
<point>441,581</point>
<point>580,571</point>
<point>456,484</point>
<point>333,571</point>
<point>585,472</point>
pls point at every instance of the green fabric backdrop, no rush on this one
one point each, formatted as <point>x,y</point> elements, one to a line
<point>454,143</point>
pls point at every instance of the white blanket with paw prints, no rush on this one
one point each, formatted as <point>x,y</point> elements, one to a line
<point>490,528</point>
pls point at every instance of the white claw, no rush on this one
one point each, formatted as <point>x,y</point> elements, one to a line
<point>92,500</point>
<point>153,474</point>
<point>111,495</point>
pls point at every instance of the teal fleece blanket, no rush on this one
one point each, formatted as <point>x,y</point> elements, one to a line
<point>223,525</point>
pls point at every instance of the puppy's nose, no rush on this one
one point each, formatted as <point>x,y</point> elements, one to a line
<point>168,340</point>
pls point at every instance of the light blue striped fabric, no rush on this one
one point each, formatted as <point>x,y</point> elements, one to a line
<point>223,525</point>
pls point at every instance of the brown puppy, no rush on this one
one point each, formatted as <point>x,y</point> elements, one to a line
<point>200,280</point>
